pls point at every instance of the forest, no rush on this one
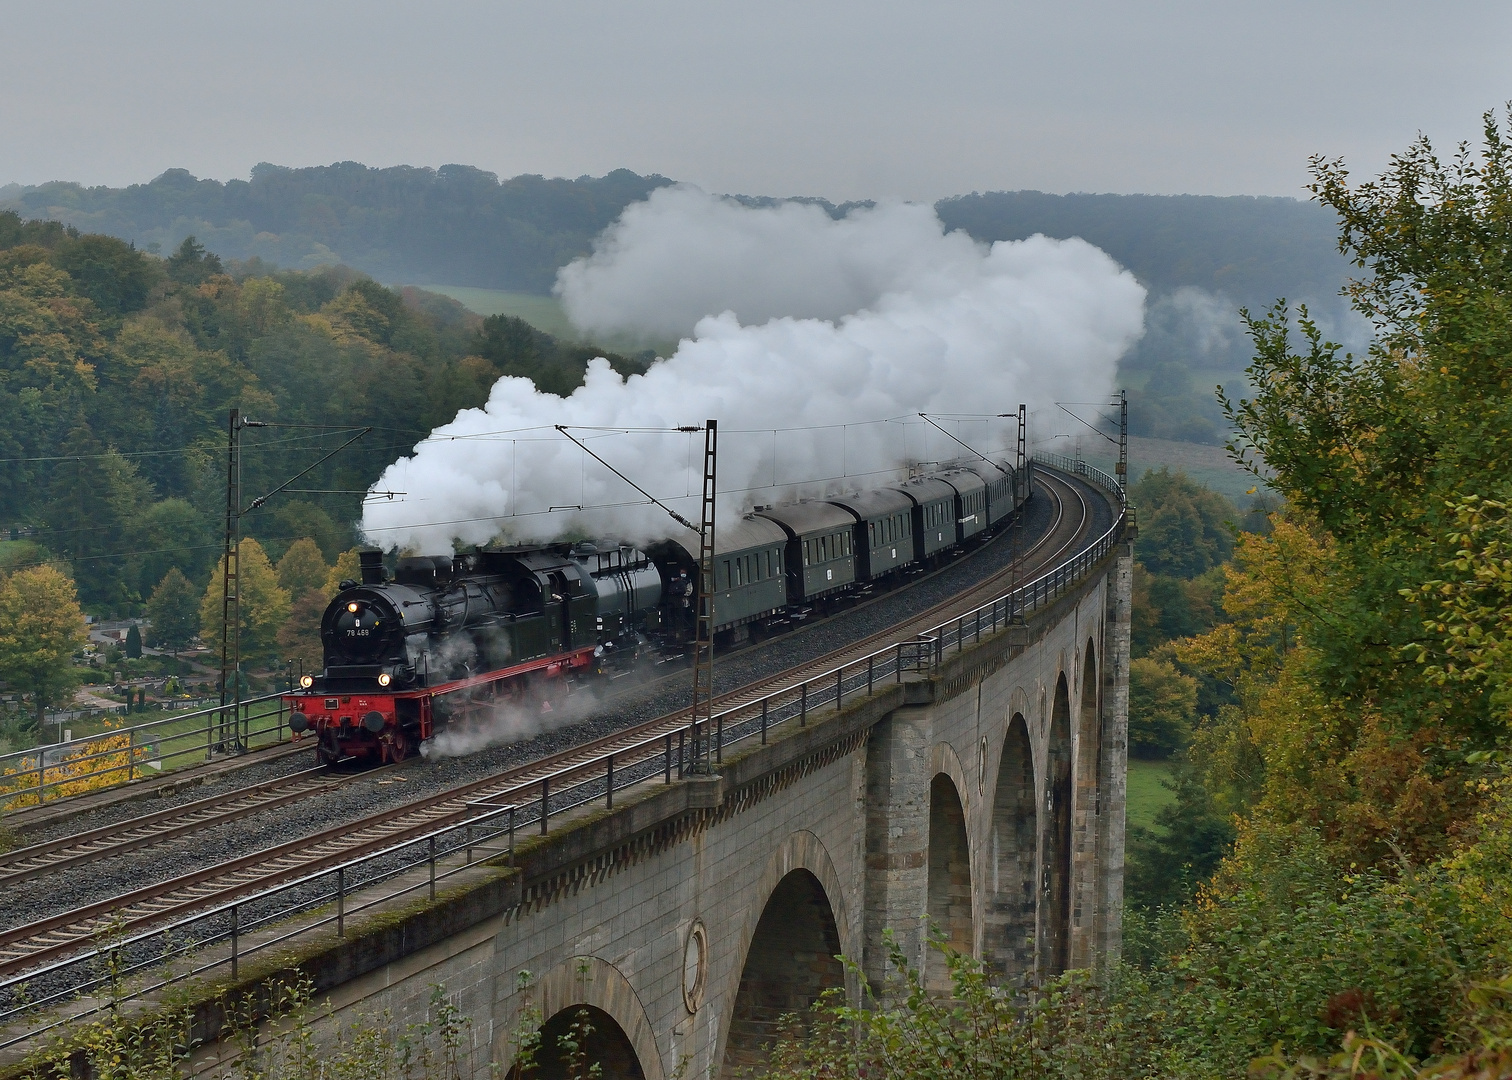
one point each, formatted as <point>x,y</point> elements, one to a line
<point>117,371</point>
<point>1201,257</point>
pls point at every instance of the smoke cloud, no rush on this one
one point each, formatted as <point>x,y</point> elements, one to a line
<point>814,342</point>
<point>681,254</point>
<point>508,723</point>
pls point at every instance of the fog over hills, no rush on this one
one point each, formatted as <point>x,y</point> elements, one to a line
<point>1200,257</point>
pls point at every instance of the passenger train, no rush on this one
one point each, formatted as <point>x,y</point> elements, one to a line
<point>444,638</point>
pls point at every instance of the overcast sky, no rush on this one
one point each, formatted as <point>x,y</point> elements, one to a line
<point>844,99</point>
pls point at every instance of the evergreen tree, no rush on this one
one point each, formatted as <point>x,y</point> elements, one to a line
<point>133,643</point>
<point>174,611</point>
<point>191,264</point>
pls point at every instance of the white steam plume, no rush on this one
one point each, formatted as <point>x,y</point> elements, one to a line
<point>507,723</point>
<point>681,254</point>
<point>879,315</point>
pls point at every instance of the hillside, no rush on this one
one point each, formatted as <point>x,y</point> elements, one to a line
<point>1201,257</point>
<point>454,225</point>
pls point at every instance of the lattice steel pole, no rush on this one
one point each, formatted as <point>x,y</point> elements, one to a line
<point>1122,468</point>
<point>1020,481</point>
<point>703,634</point>
<point>231,584</point>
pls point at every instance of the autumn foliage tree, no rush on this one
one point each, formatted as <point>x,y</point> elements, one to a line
<point>1379,454</point>
<point>41,627</point>
<point>264,604</point>
<point>302,568</point>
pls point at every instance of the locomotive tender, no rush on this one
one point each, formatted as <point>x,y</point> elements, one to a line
<point>444,638</point>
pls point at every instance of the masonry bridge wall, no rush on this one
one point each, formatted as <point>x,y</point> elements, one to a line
<point>987,801</point>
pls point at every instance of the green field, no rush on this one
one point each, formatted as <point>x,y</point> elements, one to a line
<point>1204,463</point>
<point>542,312</point>
<point>1146,795</point>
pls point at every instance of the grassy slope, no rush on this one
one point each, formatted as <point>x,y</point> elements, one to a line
<point>1210,465</point>
<point>542,312</point>
<point>1146,795</point>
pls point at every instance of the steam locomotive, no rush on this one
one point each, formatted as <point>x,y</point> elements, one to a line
<point>444,638</point>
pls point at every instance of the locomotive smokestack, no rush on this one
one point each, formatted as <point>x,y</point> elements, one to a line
<point>372,566</point>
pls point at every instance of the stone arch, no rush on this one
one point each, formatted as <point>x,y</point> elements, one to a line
<point>944,759</point>
<point>1008,934</point>
<point>600,987</point>
<point>801,850</point>
<point>1086,812</point>
<point>790,961</point>
<point>605,1045</point>
<point>948,895</point>
<point>1055,840</point>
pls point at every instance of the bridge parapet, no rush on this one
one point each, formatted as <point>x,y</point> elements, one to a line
<point>851,758</point>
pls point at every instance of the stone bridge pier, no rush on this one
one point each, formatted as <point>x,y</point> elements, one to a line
<point>986,801</point>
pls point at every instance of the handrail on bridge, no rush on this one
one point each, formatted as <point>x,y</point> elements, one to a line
<point>530,803</point>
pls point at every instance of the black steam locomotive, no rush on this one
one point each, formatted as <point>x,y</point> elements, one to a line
<point>444,637</point>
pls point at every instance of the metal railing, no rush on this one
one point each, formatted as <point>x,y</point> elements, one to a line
<point>1077,467</point>
<point>215,938</point>
<point>121,755</point>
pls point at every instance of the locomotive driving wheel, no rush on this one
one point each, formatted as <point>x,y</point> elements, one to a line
<point>397,747</point>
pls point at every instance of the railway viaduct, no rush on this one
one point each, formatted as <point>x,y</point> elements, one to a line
<point>983,796</point>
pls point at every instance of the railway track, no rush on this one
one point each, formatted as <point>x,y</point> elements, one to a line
<point>25,947</point>
<point>78,849</point>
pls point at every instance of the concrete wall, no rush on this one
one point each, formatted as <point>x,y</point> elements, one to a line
<point>653,914</point>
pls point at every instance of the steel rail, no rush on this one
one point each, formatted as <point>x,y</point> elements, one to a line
<point>777,707</point>
<point>161,826</point>
<point>23,946</point>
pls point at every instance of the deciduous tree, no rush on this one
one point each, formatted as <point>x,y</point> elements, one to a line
<point>348,568</point>
<point>41,626</point>
<point>264,605</point>
<point>302,569</point>
<point>1162,708</point>
<point>299,637</point>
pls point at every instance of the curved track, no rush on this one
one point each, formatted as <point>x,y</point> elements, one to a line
<point>23,947</point>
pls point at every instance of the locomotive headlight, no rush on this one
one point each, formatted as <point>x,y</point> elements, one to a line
<point>384,678</point>
<point>307,681</point>
<point>352,607</point>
